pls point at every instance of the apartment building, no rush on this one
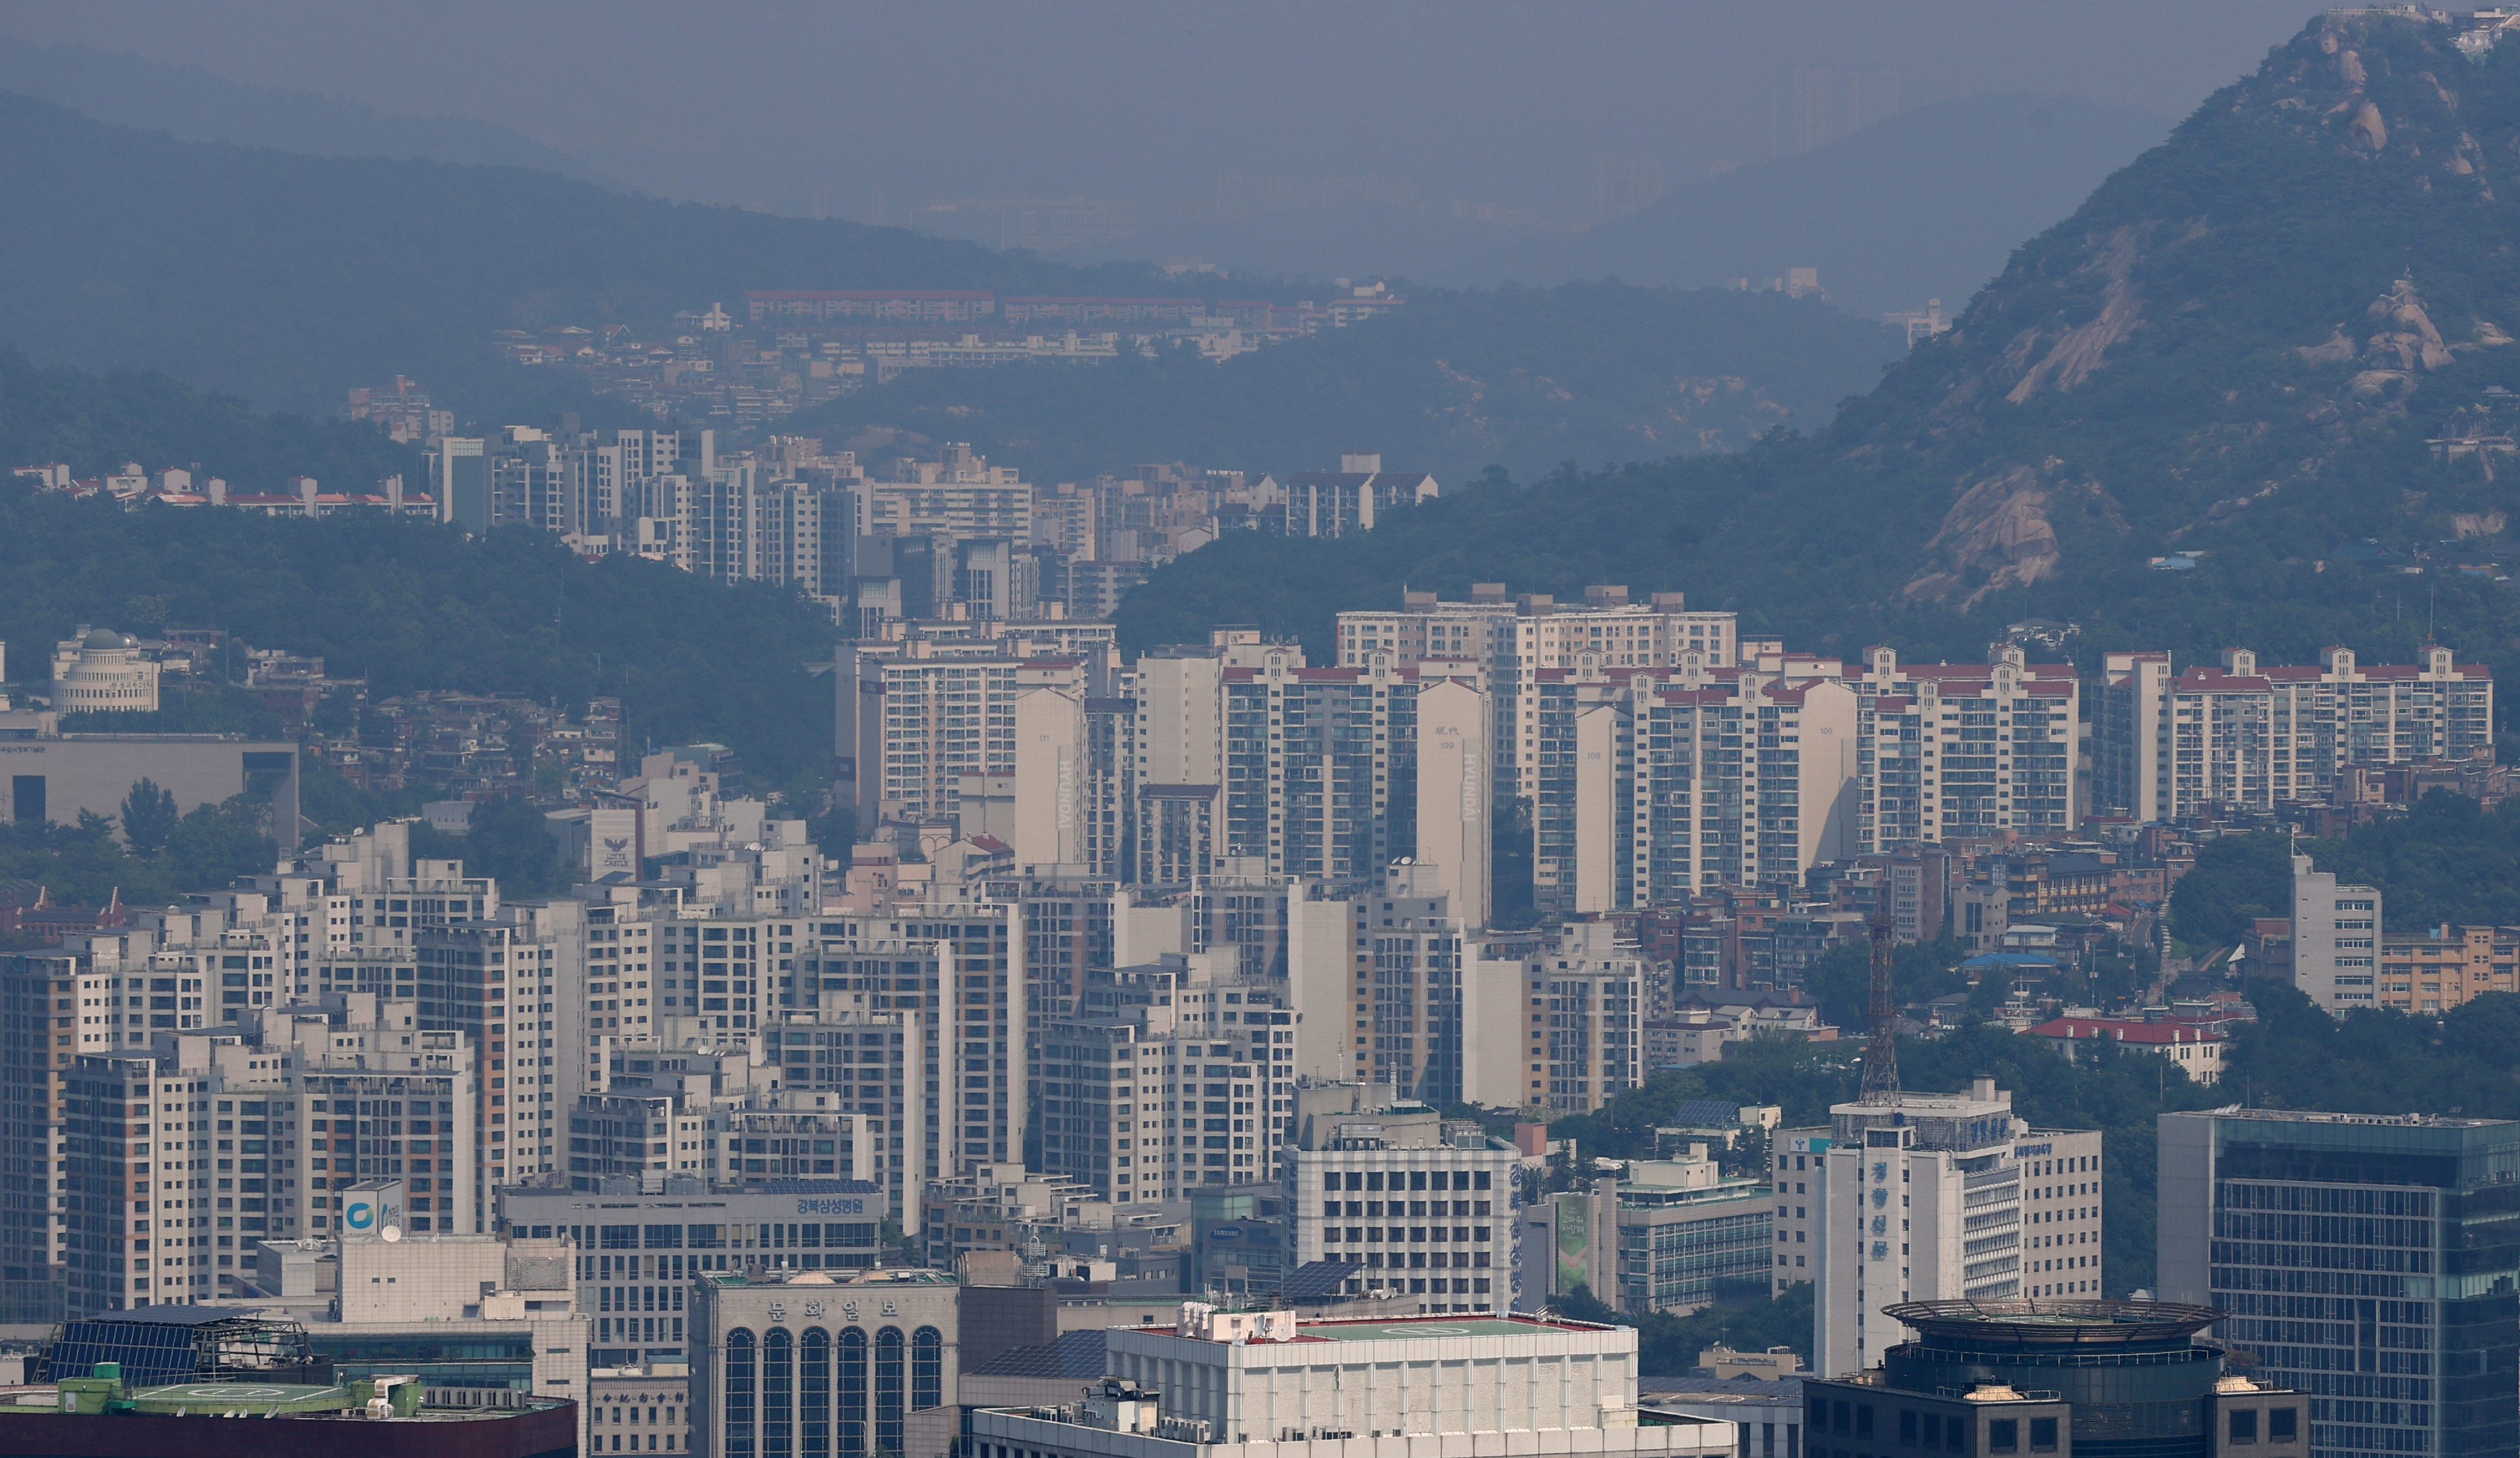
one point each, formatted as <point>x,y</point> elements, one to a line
<point>1321,772</point>
<point>1355,498</point>
<point>2335,939</point>
<point>1941,1197</point>
<point>912,728</point>
<point>1511,640</point>
<point>961,967</point>
<point>255,1132</point>
<point>2242,735</point>
<point>1552,1019</point>
<point>1652,786</point>
<point>1170,1074</point>
<point>1952,751</point>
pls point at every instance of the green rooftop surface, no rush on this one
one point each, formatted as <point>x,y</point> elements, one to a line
<point>240,1396</point>
<point>1411,1331</point>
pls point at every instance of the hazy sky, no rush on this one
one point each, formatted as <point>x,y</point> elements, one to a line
<point>823,108</point>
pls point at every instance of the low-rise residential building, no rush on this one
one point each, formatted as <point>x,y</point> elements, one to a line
<point>2195,1050</point>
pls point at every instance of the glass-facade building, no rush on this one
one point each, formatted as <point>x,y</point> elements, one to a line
<point>2372,1261</point>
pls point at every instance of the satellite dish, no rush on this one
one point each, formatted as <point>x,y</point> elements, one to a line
<point>390,1233</point>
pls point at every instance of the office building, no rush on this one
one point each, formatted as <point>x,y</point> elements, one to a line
<point>863,1363</point>
<point>1673,1236</point>
<point>1927,1197</point>
<point>2066,1376</point>
<point>1423,1208</point>
<point>1223,1378</point>
<point>634,1257</point>
<point>2361,1259</point>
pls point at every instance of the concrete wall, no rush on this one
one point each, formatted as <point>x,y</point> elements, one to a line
<point>95,774</point>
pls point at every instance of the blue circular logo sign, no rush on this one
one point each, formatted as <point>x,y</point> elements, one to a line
<point>360,1215</point>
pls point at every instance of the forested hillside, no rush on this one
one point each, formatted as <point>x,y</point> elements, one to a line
<point>1454,383</point>
<point>286,279</point>
<point>2239,346</point>
<point>95,423</point>
<point>410,605</point>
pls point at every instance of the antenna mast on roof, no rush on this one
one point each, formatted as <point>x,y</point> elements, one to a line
<point>1882,1054</point>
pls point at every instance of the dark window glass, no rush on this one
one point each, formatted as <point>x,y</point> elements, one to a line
<point>814,1395</point>
<point>2279,1424</point>
<point>2003,1435</point>
<point>739,1394</point>
<point>2042,1435</point>
<point>853,1390</point>
<point>2244,1424</point>
<point>778,1394</point>
<point>926,1369</point>
<point>887,1389</point>
<point>1863,1420</point>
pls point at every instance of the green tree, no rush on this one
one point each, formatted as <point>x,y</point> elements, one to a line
<point>2236,878</point>
<point>509,839</point>
<point>214,844</point>
<point>149,817</point>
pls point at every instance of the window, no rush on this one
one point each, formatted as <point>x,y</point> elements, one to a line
<point>778,1378</point>
<point>2280,1424</point>
<point>2003,1435</point>
<point>853,1392</point>
<point>814,1393</point>
<point>2244,1424</point>
<point>888,1391</point>
<point>739,1394</point>
<point>1863,1420</point>
<point>926,1369</point>
<point>2042,1435</point>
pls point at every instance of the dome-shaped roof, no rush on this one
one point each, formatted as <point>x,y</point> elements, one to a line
<point>105,637</point>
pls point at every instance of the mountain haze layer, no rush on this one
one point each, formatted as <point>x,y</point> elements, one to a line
<point>2239,345</point>
<point>285,279</point>
<point>201,106</point>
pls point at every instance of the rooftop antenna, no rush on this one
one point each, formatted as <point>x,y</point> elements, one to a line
<point>1882,1054</point>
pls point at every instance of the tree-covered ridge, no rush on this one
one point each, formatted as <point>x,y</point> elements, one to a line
<point>2447,862</point>
<point>1454,383</point>
<point>2294,1057</point>
<point>416,605</point>
<point>286,279</point>
<point>94,424</point>
<point>2159,373</point>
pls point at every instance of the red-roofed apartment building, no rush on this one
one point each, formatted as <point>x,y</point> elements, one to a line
<point>2243,736</point>
<point>2195,1048</point>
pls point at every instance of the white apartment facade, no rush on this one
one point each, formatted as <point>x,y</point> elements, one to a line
<point>1552,1019</point>
<point>1953,751</point>
<point>2336,931</point>
<point>1511,640</point>
<point>2247,736</point>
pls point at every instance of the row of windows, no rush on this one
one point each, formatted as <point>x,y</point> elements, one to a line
<point>789,1396</point>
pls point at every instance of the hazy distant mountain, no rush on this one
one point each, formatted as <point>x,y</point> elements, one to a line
<point>199,105</point>
<point>286,279</point>
<point>1926,204</point>
<point>2281,345</point>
